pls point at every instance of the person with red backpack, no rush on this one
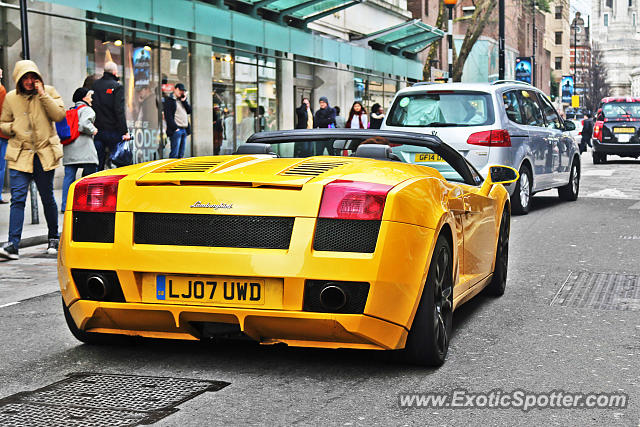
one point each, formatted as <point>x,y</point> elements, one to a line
<point>79,153</point>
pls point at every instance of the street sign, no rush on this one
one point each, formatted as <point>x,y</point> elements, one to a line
<point>575,101</point>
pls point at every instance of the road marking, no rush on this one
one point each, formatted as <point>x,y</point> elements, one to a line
<point>598,172</point>
<point>9,304</point>
<point>609,193</point>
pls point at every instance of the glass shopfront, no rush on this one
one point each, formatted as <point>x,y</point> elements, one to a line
<point>245,87</point>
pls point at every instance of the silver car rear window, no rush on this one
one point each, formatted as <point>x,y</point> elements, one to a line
<point>442,109</point>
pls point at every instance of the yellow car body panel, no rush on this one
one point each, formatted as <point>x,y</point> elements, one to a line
<point>420,206</point>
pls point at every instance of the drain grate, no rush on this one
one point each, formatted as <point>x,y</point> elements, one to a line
<point>604,291</point>
<point>91,399</point>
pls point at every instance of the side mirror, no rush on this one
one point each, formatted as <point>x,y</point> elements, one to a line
<point>568,126</point>
<point>498,175</point>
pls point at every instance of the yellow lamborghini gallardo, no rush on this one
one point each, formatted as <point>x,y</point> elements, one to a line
<point>322,238</point>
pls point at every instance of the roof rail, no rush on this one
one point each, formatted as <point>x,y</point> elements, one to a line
<point>500,82</point>
<point>424,83</point>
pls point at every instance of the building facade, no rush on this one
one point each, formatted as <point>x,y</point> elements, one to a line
<point>615,31</point>
<point>557,41</point>
<point>482,62</point>
<point>246,64</point>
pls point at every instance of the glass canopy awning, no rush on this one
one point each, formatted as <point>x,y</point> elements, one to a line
<point>303,11</point>
<point>409,37</point>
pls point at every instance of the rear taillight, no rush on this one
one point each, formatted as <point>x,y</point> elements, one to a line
<point>597,131</point>
<point>490,138</point>
<point>353,200</point>
<point>98,194</point>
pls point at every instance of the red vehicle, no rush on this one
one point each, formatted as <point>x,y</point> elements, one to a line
<point>616,129</point>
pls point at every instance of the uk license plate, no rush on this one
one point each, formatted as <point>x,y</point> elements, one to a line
<point>428,157</point>
<point>624,130</point>
<point>209,290</point>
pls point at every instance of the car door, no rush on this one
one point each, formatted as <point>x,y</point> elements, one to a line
<point>541,149</point>
<point>561,142</point>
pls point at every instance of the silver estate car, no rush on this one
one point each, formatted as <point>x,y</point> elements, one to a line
<point>505,122</point>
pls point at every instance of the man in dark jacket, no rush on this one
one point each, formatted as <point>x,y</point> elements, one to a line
<point>304,116</point>
<point>587,130</point>
<point>108,103</point>
<point>325,118</point>
<point>176,114</point>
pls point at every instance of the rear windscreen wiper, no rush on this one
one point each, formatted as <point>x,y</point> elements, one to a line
<point>440,124</point>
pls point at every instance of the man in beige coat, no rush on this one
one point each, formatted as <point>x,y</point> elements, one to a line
<point>34,151</point>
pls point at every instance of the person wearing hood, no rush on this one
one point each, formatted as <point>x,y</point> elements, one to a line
<point>324,118</point>
<point>81,153</point>
<point>29,113</point>
<point>108,103</point>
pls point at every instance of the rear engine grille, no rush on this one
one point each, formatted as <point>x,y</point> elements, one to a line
<point>224,231</point>
<point>189,165</point>
<point>312,168</point>
<point>346,235</point>
<point>96,227</point>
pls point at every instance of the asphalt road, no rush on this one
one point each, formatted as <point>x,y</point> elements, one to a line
<point>519,341</point>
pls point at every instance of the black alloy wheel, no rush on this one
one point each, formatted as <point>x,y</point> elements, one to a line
<point>499,280</point>
<point>570,191</point>
<point>599,158</point>
<point>522,193</point>
<point>428,340</point>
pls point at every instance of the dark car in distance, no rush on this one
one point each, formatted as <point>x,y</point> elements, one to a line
<point>616,130</point>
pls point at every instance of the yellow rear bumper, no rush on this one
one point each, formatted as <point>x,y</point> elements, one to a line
<point>266,326</point>
<point>395,273</point>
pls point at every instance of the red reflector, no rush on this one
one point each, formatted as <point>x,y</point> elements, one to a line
<point>98,194</point>
<point>490,138</point>
<point>353,200</point>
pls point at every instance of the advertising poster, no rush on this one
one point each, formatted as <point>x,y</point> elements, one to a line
<point>142,103</point>
<point>567,88</point>
<point>523,69</point>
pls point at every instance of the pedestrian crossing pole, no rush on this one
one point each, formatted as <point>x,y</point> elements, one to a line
<point>27,55</point>
<point>450,4</point>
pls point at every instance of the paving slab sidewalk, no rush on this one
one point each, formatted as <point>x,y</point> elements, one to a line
<point>32,234</point>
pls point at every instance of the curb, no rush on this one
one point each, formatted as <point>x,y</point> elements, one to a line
<point>33,241</point>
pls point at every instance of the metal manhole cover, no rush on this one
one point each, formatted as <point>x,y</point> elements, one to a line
<point>604,291</point>
<point>90,399</point>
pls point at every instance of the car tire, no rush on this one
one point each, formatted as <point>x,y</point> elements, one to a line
<point>570,191</point>
<point>499,280</point>
<point>92,337</point>
<point>428,339</point>
<point>521,199</point>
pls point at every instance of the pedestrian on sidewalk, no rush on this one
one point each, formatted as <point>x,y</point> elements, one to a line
<point>357,117</point>
<point>81,153</point>
<point>587,131</point>
<point>304,115</point>
<point>29,114</point>
<point>377,116</point>
<point>108,104</point>
<point>176,114</point>
<point>340,121</point>
<point>324,118</point>
<point>3,144</point>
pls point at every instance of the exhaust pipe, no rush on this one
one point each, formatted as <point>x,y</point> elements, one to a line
<point>333,298</point>
<point>98,287</point>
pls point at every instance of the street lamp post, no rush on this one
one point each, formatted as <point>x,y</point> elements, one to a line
<point>35,219</point>
<point>575,52</point>
<point>450,4</point>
